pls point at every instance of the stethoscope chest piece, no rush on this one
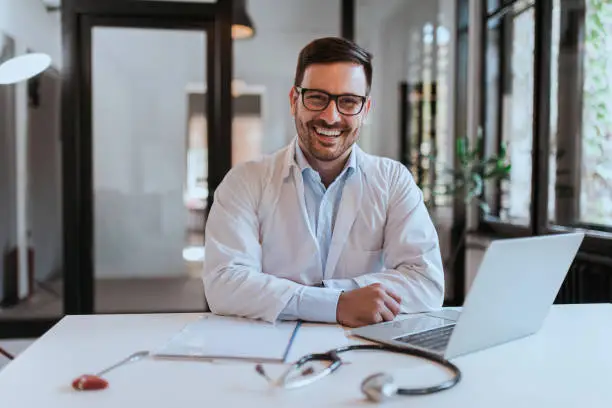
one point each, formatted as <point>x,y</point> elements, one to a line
<point>379,387</point>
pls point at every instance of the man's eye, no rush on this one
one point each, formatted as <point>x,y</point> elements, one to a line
<point>315,98</point>
<point>350,101</point>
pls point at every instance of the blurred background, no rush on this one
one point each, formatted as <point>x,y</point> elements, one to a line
<point>109,158</point>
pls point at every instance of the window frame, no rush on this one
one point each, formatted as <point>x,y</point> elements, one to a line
<point>598,239</point>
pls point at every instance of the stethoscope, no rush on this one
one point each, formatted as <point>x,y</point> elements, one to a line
<point>376,387</point>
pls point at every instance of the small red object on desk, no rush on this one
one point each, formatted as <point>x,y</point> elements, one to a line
<point>89,382</point>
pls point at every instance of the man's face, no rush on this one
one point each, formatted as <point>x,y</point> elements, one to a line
<point>327,135</point>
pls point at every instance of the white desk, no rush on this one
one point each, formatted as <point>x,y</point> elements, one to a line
<point>567,364</point>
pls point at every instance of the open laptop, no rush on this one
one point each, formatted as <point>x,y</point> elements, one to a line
<point>510,297</point>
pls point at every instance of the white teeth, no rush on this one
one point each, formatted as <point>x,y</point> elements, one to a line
<point>328,132</point>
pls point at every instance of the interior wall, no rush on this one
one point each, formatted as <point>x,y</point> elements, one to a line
<point>269,59</point>
<point>44,173</point>
<point>34,29</point>
<point>392,31</point>
<point>8,187</point>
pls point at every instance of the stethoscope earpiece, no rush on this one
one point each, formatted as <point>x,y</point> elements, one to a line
<point>379,387</point>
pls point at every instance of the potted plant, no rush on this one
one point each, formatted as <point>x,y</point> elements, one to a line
<point>468,177</point>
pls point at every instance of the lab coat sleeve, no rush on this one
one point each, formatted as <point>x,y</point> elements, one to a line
<point>341,284</point>
<point>411,251</point>
<point>234,283</point>
<point>312,304</point>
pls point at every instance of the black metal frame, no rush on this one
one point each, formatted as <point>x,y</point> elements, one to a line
<point>541,129</point>
<point>593,264</point>
<point>457,241</point>
<point>78,19</point>
<point>347,19</point>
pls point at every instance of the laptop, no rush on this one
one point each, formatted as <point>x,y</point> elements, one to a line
<point>510,297</point>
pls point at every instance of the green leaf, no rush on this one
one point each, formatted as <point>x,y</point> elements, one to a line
<point>461,150</point>
<point>503,148</point>
<point>597,21</point>
<point>484,207</point>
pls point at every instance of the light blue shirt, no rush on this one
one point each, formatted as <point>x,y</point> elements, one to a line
<point>322,207</point>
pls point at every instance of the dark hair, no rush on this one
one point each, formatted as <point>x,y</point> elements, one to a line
<point>333,49</point>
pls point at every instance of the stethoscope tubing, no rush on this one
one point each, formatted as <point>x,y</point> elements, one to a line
<point>333,357</point>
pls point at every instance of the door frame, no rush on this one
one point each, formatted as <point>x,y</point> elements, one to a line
<point>78,19</point>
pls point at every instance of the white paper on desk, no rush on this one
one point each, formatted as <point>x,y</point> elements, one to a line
<point>219,337</point>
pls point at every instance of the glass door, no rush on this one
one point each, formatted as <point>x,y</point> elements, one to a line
<point>134,220</point>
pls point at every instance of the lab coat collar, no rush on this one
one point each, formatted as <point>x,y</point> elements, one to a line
<point>303,164</point>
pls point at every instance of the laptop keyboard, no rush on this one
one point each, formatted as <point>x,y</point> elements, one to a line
<point>435,339</point>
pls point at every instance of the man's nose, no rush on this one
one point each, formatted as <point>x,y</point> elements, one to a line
<point>330,114</point>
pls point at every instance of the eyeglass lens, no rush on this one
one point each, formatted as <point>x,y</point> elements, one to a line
<point>346,104</point>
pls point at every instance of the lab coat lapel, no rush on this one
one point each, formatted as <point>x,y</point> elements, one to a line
<point>289,163</point>
<point>347,212</point>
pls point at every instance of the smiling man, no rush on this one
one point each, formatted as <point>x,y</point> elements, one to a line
<point>322,231</point>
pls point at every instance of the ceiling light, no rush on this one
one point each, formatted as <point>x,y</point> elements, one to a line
<point>242,25</point>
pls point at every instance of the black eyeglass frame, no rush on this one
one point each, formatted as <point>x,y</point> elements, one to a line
<point>332,97</point>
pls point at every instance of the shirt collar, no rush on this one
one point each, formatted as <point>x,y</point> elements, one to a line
<point>302,162</point>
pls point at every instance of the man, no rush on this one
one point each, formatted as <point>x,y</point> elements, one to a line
<point>321,231</point>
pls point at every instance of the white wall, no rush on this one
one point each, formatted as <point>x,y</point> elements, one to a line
<point>269,59</point>
<point>33,28</point>
<point>391,30</point>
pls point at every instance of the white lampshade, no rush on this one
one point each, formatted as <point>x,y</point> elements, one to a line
<point>23,67</point>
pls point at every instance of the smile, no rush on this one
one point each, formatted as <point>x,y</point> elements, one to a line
<point>327,132</point>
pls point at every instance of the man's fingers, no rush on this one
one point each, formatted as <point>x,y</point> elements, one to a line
<point>386,314</point>
<point>394,295</point>
<point>392,305</point>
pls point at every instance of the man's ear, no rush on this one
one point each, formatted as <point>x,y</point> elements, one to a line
<point>293,98</point>
<point>366,108</point>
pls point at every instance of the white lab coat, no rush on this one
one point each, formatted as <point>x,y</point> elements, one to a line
<point>259,247</point>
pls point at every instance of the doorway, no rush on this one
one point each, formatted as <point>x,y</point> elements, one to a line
<point>121,149</point>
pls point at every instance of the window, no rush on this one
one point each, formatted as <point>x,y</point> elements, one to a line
<point>546,90</point>
<point>576,188</point>
<point>508,107</point>
<point>580,173</point>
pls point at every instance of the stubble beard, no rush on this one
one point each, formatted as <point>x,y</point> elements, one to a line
<point>318,149</point>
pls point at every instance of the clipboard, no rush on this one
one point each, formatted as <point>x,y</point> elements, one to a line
<point>214,337</point>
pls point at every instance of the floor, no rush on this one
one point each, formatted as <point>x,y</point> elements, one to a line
<point>118,296</point>
<point>14,347</point>
<point>112,295</point>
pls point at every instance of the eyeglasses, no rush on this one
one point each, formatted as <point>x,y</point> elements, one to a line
<point>317,100</point>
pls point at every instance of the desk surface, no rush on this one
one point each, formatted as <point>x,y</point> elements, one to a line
<point>567,364</point>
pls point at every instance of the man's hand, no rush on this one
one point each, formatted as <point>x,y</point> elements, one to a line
<point>368,305</point>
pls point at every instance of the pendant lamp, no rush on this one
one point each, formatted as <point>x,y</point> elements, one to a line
<point>242,25</point>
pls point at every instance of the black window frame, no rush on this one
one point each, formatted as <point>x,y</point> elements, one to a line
<point>594,259</point>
